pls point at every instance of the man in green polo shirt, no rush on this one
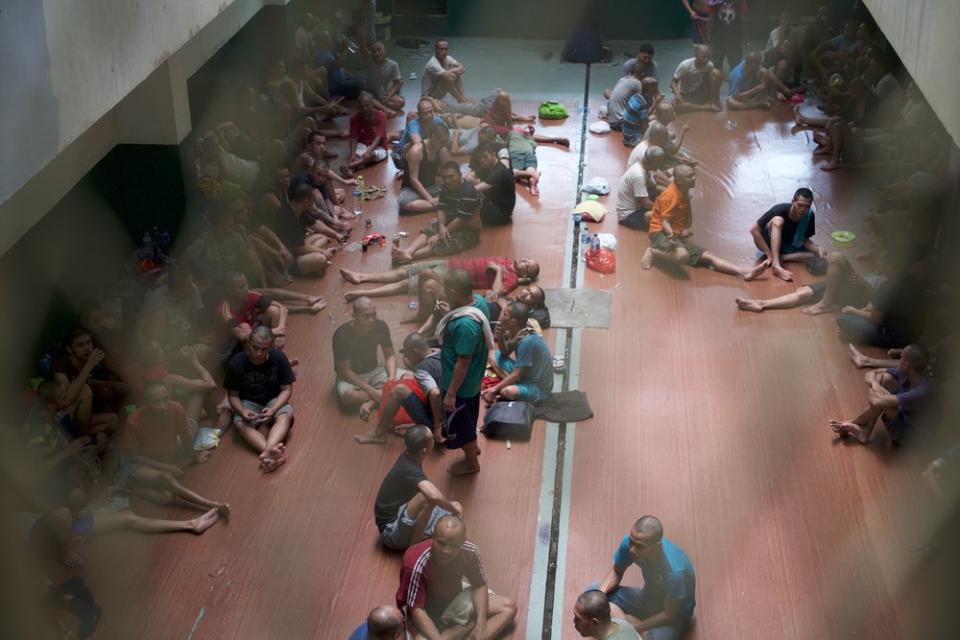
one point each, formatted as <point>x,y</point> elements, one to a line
<point>466,338</point>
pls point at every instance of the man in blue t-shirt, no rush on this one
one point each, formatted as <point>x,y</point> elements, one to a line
<point>383,623</point>
<point>749,85</point>
<point>663,607</point>
<point>529,376</point>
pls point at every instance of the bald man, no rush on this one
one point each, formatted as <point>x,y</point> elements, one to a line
<point>670,225</point>
<point>431,591</point>
<point>696,83</point>
<point>360,374</point>
<point>634,200</point>
<point>663,607</point>
<point>383,623</point>
<point>591,618</point>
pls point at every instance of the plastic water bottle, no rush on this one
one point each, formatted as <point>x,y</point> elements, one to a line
<point>595,243</point>
<point>584,235</point>
<point>357,202</point>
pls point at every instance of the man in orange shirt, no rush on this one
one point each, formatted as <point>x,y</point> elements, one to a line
<point>156,446</point>
<point>670,222</point>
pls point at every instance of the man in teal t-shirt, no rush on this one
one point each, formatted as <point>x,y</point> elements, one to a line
<point>463,356</point>
<point>663,607</point>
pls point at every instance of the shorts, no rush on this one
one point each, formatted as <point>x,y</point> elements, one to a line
<point>476,109</point>
<point>521,160</point>
<point>659,241</point>
<point>413,273</point>
<point>379,154</point>
<point>374,378</point>
<point>409,195</point>
<point>701,95</point>
<point>396,533</point>
<point>899,427</point>
<point>492,216</point>
<point>125,473</point>
<point>636,220</point>
<point>418,410</point>
<point>253,406</point>
<point>460,425</point>
<point>457,242</point>
<point>853,294</point>
<point>529,392</point>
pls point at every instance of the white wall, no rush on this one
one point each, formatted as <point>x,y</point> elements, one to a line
<point>70,73</point>
<point>924,35</point>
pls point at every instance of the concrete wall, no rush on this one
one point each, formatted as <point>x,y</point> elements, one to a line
<point>81,77</point>
<point>923,33</point>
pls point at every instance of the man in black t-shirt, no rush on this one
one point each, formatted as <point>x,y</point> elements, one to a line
<point>417,394</point>
<point>259,383</point>
<point>497,188</point>
<point>360,376</point>
<point>407,496</point>
<point>783,234</point>
<point>309,256</point>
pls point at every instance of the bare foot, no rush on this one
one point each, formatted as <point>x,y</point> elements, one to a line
<point>273,459</point>
<point>350,276</point>
<point>782,273</point>
<point>647,260</point>
<point>462,469</point>
<point>747,304</point>
<point>366,409</point>
<point>350,296</point>
<point>715,107</point>
<point>752,274</point>
<point>202,523</point>
<point>400,257</point>
<point>796,115</point>
<point>535,186</point>
<point>224,510</point>
<point>859,360</point>
<point>371,437</point>
<point>317,306</point>
<point>851,429</point>
<point>72,559</point>
<point>818,308</point>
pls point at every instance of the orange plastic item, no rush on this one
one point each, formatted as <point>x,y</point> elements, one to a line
<point>602,260</point>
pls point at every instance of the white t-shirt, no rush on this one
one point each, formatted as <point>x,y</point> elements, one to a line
<point>633,186</point>
<point>621,93</point>
<point>433,69</point>
<point>625,631</point>
<point>690,76</point>
<point>637,154</point>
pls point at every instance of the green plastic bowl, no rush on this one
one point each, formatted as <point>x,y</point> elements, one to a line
<point>843,237</point>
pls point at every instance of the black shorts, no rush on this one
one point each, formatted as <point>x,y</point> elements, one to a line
<point>460,425</point>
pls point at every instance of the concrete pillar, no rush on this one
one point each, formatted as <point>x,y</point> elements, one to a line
<point>157,111</point>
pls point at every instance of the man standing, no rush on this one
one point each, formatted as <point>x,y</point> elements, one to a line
<point>784,233</point>
<point>529,377</point>
<point>633,196</point>
<point>431,588</point>
<point>407,496</point>
<point>663,607</point>
<point>466,340</point>
<point>443,74</point>
<point>360,376</point>
<point>259,383</point>
<point>591,618</point>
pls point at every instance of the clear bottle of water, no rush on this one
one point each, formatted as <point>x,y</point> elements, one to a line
<point>357,201</point>
<point>584,235</point>
<point>595,243</point>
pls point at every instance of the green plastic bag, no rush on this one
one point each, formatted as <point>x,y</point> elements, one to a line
<point>551,110</point>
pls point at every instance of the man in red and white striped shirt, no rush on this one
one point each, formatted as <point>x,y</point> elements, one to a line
<point>431,594</point>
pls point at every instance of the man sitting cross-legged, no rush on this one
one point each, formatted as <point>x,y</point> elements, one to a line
<point>592,618</point>
<point>458,222</point>
<point>431,591</point>
<point>670,222</point>
<point>242,310</point>
<point>412,399</point>
<point>528,377</point>
<point>663,607</point>
<point>360,376</point>
<point>843,287</point>
<point>897,395</point>
<point>368,136</point>
<point>749,85</point>
<point>634,200</point>
<point>259,383</point>
<point>696,83</point>
<point>783,234</point>
<point>157,444</point>
<point>407,498</point>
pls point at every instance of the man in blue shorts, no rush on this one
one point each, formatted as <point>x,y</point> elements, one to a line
<point>466,339</point>
<point>663,607</point>
<point>529,377</point>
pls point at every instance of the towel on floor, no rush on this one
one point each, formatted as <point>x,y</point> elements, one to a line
<point>565,406</point>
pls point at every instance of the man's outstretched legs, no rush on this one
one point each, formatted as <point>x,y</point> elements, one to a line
<point>107,522</point>
<point>165,485</point>
<point>723,266</point>
<point>788,301</point>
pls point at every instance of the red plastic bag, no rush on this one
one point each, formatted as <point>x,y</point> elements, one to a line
<point>602,260</point>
